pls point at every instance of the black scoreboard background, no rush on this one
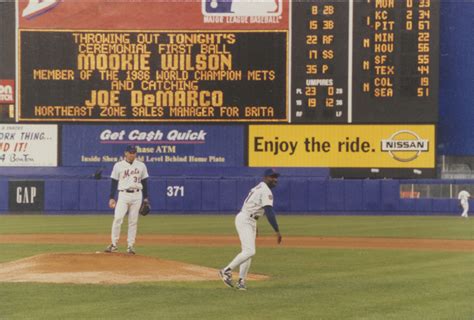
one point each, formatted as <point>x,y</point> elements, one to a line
<point>7,60</point>
<point>392,46</point>
<point>208,76</point>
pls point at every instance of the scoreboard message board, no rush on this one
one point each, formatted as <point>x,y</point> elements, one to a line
<point>365,61</point>
<point>153,76</point>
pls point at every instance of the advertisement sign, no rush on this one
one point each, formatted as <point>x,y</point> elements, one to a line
<point>28,145</point>
<point>26,195</point>
<point>158,146</point>
<point>342,146</point>
<point>7,91</point>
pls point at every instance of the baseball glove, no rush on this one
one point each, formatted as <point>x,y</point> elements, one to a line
<point>145,208</point>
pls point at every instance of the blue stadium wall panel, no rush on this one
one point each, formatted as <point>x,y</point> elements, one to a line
<point>335,195</point>
<point>424,206</point>
<point>210,200</point>
<point>390,194</point>
<point>407,205</point>
<point>353,196</point>
<point>456,97</point>
<point>4,195</point>
<point>192,195</point>
<point>372,195</point>
<point>317,195</point>
<point>87,195</point>
<point>157,195</point>
<point>441,205</point>
<point>52,195</point>
<point>299,195</point>
<point>70,195</point>
<point>102,195</point>
<point>225,195</point>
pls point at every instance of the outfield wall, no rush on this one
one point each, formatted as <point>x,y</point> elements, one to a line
<point>225,195</point>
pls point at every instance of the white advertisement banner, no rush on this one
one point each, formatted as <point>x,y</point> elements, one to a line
<point>24,145</point>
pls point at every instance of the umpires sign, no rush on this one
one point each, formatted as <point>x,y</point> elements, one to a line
<point>26,195</point>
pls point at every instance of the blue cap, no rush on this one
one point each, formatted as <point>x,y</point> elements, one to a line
<point>271,173</point>
<point>131,149</point>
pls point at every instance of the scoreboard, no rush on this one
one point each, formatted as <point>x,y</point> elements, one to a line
<point>320,62</point>
<point>373,61</point>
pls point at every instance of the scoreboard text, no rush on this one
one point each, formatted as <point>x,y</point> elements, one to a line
<point>372,61</point>
<point>153,76</point>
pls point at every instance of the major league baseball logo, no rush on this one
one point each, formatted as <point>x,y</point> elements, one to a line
<point>242,7</point>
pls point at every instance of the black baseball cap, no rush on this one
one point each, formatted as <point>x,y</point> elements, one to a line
<point>131,149</point>
<point>270,173</point>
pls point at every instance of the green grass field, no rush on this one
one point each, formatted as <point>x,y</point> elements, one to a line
<point>305,283</point>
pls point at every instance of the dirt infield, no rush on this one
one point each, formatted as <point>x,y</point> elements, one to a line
<point>117,268</point>
<point>102,268</point>
<point>288,242</point>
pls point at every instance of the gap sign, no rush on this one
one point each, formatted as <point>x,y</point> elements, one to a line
<point>26,195</point>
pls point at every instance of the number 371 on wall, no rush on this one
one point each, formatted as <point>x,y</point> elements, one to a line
<point>175,191</point>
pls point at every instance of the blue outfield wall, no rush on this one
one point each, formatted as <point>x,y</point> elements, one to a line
<point>225,195</point>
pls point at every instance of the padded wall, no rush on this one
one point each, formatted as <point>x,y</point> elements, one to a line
<point>372,195</point>
<point>3,195</point>
<point>226,195</point>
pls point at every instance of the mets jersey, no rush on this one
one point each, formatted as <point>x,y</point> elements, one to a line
<point>129,175</point>
<point>259,197</point>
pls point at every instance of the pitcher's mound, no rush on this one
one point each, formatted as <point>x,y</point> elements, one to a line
<point>103,268</point>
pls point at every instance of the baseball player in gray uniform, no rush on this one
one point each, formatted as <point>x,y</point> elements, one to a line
<point>129,177</point>
<point>258,202</point>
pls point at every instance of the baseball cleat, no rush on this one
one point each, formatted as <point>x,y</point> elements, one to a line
<point>241,285</point>
<point>226,277</point>
<point>131,250</point>
<point>111,248</point>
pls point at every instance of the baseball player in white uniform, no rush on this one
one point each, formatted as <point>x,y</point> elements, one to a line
<point>129,177</point>
<point>258,202</point>
<point>463,198</point>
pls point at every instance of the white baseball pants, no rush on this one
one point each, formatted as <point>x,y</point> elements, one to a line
<point>247,230</point>
<point>465,207</point>
<point>127,202</point>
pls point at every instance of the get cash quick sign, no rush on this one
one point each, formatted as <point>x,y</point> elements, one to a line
<point>342,146</point>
